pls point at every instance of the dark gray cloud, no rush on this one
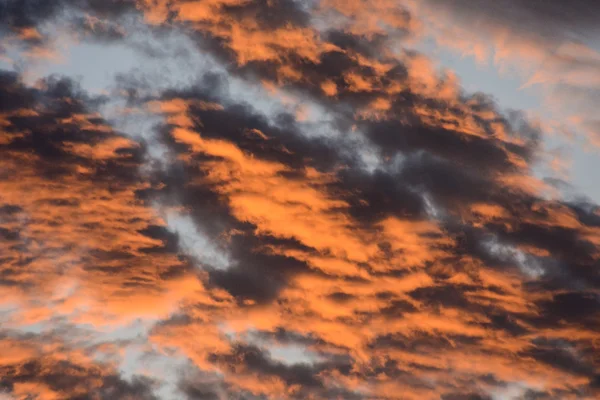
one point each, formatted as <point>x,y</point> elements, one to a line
<point>18,14</point>
<point>552,20</point>
<point>74,382</point>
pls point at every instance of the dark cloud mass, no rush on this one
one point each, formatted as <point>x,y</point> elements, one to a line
<point>552,19</point>
<point>322,215</point>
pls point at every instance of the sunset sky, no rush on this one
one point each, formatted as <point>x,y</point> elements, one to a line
<point>299,199</point>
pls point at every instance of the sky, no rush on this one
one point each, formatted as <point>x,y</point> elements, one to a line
<point>286,199</point>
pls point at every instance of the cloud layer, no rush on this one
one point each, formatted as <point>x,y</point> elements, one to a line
<point>320,214</point>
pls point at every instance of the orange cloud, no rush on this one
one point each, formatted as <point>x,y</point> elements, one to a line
<point>401,280</point>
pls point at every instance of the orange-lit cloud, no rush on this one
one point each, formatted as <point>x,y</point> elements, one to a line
<point>442,269</point>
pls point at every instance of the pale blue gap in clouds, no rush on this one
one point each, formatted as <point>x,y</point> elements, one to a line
<point>505,87</point>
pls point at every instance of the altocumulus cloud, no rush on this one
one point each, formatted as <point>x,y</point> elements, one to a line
<point>320,215</point>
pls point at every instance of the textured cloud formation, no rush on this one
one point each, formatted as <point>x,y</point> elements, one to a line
<point>322,215</point>
<point>552,44</point>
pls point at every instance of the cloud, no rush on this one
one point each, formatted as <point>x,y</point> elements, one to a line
<point>48,377</point>
<point>245,224</point>
<point>549,44</point>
